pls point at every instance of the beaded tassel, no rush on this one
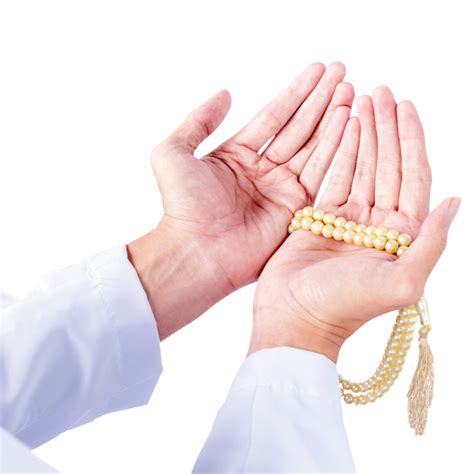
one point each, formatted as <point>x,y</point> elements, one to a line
<point>391,241</point>
<point>420,394</point>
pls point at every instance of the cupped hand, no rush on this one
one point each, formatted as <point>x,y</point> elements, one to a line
<point>234,203</point>
<point>315,292</point>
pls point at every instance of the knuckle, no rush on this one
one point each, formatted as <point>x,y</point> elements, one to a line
<point>364,170</point>
<point>323,91</point>
<point>270,120</point>
<point>301,122</point>
<point>346,153</point>
<point>329,142</point>
<point>339,179</point>
<point>294,92</point>
<point>320,163</point>
<point>201,127</point>
<point>388,166</point>
<point>273,155</point>
<point>420,174</point>
<point>441,244</point>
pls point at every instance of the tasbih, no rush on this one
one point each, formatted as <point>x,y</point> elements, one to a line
<point>393,242</point>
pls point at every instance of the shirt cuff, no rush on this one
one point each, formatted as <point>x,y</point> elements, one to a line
<point>286,369</point>
<point>133,324</point>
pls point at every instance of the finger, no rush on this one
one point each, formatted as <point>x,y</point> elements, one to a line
<point>416,173</point>
<point>340,181</point>
<point>273,117</point>
<point>200,123</point>
<point>299,128</point>
<point>421,257</point>
<point>388,172</point>
<point>363,184</point>
<point>343,95</point>
<point>318,163</point>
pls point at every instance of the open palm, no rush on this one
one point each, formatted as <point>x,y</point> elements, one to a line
<point>235,202</point>
<point>381,177</point>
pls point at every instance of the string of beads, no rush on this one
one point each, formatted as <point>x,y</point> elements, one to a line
<point>391,241</point>
<point>328,225</point>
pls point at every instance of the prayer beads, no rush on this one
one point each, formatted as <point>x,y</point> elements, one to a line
<point>330,226</point>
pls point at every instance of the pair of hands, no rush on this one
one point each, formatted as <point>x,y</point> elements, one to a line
<point>226,214</point>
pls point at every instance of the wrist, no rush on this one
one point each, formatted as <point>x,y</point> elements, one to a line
<point>277,330</point>
<point>179,279</point>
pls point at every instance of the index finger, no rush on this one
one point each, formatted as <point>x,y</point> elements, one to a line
<point>271,119</point>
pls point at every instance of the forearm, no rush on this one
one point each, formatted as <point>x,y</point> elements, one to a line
<point>179,278</point>
<point>81,345</point>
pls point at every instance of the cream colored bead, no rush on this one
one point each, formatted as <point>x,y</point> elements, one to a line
<point>299,214</point>
<point>318,214</point>
<point>363,399</point>
<point>370,230</point>
<point>378,392</point>
<point>360,228</point>
<point>329,218</point>
<point>369,241</point>
<point>339,222</point>
<point>371,396</point>
<point>292,229</point>
<point>380,231</point>
<point>306,223</point>
<point>355,387</point>
<point>379,242</point>
<point>392,234</point>
<point>338,233</point>
<point>391,246</point>
<point>349,236</point>
<point>328,231</point>
<point>401,250</point>
<point>296,222</point>
<point>348,398</point>
<point>350,225</point>
<point>317,227</point>
<point>359,239</point>
<point>404,239</point>
<point>308,211</point>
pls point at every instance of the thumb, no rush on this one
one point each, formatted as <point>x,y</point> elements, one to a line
<point>201,122</point>
<point>428,247</point>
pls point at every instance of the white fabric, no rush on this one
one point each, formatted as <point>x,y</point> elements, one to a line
<point>283,414</point>
<point>15,457</point>
<point>82,344</point>
<point>85,343</point>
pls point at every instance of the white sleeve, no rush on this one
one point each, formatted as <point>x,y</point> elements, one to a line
<point>15,457</point>
<point>83,344</point>
<point>283,414</point>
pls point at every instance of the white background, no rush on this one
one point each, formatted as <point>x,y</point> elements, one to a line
<point>86,91</point>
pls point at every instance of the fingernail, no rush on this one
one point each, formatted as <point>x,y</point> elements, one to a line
<point>453,208</point>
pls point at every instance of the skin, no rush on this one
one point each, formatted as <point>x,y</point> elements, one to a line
<point>226,213</point>
<point>314,292</point>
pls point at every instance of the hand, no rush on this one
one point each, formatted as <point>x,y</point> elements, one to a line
<point>227,212</point>
<point>315,292</point>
